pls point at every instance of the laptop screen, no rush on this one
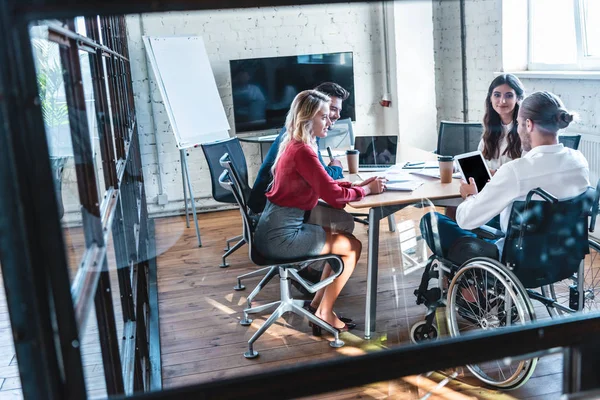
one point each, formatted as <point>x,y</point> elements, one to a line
<point>376,150</point>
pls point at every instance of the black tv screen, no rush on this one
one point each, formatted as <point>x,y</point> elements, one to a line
<point>263,88</point>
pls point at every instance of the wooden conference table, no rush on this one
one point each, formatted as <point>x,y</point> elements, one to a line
<point>382,205</point>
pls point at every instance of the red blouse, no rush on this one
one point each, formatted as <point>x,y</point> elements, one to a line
<point>300,181</point>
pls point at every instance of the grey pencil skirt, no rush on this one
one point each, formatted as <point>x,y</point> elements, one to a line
<point>282,234</point>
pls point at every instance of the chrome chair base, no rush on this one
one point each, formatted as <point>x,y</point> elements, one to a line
<point>285,305</point>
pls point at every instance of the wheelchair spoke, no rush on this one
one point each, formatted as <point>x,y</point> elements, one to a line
<point>566,291</point>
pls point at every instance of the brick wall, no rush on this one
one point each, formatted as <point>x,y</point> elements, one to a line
<point>247,33</point>
<point>484,57</point>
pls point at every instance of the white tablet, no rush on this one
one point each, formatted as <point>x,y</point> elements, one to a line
<point>472,165</point>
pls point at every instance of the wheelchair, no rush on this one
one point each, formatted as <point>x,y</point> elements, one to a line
<point>547,256</point>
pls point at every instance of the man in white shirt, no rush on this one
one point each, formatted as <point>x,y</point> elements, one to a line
<point>561,171</point>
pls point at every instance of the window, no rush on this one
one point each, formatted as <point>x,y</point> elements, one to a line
<point>564,34</point>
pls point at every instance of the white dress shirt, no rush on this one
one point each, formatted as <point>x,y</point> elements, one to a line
<point>502,159</point>
<point>560,171</point>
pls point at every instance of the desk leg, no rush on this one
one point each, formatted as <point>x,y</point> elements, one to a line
<point>392,223</point>
<point>372,266</point>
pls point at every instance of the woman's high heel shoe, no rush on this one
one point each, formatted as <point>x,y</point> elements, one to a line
<point>313,310</point>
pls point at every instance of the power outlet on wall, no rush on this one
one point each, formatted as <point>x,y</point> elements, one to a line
<point>162,199</point>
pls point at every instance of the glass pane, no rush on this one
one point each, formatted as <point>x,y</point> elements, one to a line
<point>58,134</point>
<point>90,108</point>
<point>80,26</point>
<point>553,38</point>
<point>114,286</point>
<point>110,119</point>
<point>591,13</point>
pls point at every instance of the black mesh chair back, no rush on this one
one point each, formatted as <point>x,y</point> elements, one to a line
<point>213,152</point>
<point>229,180</point>
<point>547,239</point>
<point>458,137</point>
<point>570,141</point>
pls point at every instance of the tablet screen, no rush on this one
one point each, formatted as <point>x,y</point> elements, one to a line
<point>474,167</point>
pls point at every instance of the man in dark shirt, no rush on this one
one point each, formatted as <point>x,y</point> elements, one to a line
<point>257,200</point>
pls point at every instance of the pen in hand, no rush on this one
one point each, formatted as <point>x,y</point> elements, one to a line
<point>330,153</point>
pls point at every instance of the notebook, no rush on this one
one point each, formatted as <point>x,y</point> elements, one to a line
<point>407,186</point>
<point>376,152</point>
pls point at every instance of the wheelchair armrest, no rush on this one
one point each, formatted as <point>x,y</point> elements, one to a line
<point>487,232</point>
<point>595,208</point>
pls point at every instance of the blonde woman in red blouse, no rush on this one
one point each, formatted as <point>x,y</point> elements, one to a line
<point>299,181</point>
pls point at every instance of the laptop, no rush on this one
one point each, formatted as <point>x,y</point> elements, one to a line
<point>376,152</point>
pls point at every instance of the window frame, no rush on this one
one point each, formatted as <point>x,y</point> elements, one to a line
<point>584,63</point>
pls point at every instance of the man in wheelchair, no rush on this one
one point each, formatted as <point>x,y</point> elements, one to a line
<point>543,200</point>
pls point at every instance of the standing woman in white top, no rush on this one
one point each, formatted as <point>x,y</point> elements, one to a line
<point>500,141</point>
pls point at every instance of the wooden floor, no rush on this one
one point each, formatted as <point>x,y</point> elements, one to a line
<point>199,316</point>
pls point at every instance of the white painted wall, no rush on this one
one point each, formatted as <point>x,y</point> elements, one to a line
<point>248,33</point>
<point>414,73</point>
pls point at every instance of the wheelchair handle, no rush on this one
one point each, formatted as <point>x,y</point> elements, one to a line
<point>543,194</point>
<point>595,207</point>
<point>224,160</point>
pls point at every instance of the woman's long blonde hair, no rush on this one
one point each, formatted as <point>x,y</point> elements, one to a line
<point>298,123</point>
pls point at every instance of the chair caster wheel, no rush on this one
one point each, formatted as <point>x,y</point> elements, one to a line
<point>224,265</point>
<point>250,354</point>
<point>239,287</point>
<point>245,322</point>
<point>337,343</point>
<point>420,332</point>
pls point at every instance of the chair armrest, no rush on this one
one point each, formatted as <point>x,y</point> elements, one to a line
<point>336,263</point>
<point>487,232</point>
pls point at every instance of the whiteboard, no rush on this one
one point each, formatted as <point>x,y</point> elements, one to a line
<point>188,88</point>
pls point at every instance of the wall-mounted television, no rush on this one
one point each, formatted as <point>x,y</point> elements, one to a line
<point>263,88</point>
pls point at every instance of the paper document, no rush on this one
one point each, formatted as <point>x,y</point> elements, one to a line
<point>421,164</point>
<point>433,173</point>
<point>404,186</point>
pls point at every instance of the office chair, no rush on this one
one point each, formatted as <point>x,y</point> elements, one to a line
<point>286,269</point>
<point>213,152</point>
<point>458,137</point>
<point>570,141</point>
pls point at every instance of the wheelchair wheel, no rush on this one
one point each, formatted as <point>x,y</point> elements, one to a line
<point>485,295</point>
<point>566,292</point>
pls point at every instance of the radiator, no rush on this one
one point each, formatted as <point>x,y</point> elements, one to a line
<point>590,147</point>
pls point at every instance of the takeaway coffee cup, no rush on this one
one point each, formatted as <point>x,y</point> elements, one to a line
<point>446,168</point>
<point>352,158</point>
